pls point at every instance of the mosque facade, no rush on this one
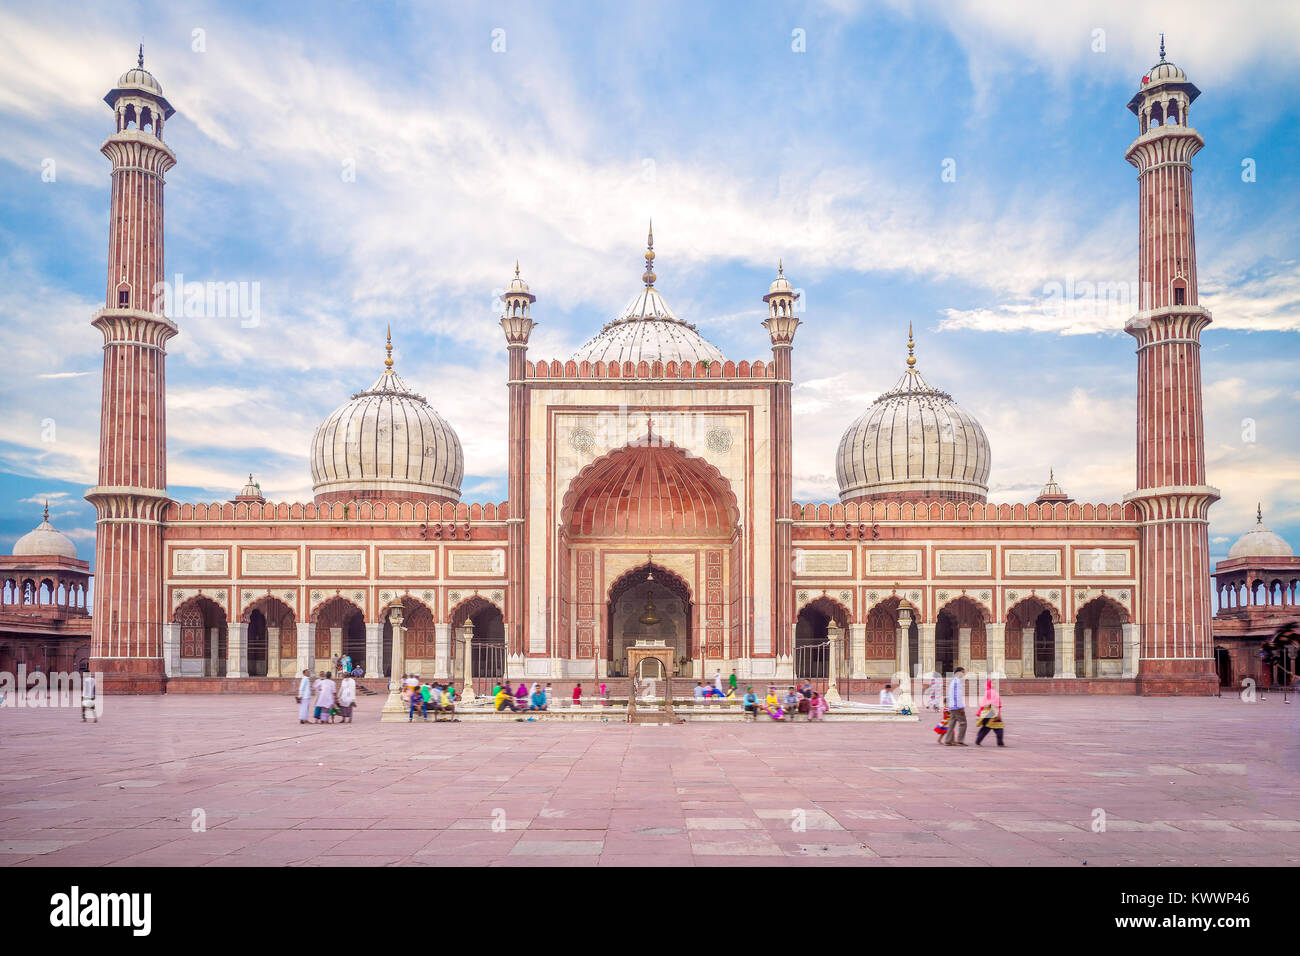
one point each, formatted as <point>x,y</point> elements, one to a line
<point>650,526</point>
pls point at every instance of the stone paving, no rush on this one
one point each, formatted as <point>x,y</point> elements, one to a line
<point>1190,782</point>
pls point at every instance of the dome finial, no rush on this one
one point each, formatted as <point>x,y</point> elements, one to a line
<point>1259,512</point>
<point>47,509</point>
<point>388,362</point>
<point>1051,474</point>
<point>1162,48</point>
<point>780,267</point>
<point>140,59</point>
<point>648,277</point>
<point>516,268</point>
<point>911,345</point>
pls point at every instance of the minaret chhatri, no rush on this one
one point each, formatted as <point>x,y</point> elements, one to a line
<point>1175,655</point>
<point>131,493</point>
<point>781,324</point>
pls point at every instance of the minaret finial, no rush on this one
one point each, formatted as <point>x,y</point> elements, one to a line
<point>1259,512</point>
<point>648,277</point>
<point>1051,475</point>
<point>47,509</point>
<point>388,362</point>
<point>911,345</point>
<point>1162,48</point>
<point>780,267</point>
<point>516,268</point>
<point>140,59</point>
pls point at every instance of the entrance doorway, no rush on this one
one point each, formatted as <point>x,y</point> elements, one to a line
<point>258,650</point>
<point>945,643</point>
<point>649,603</point>
<point>1044,646</point>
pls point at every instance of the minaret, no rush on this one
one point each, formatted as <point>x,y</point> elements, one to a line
<point>1172,498</point>
<point>781,325</point>
<point>517,323</point>
<point>131,494</point>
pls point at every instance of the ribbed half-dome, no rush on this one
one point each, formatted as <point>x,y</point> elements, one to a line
<point>44,541</point>
<point>386,443</point>
<point>914,441</point>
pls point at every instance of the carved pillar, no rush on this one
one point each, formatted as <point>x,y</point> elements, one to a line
<point>1132,645</point>
<point>237,650</point>
<point>393,708</point>
<point>466,667</point>
<point>925,646</point>
<point>442,651</point>
<point>858,649</point>
<point>835,634</point>
<point>963,647</point>
<point>1064,650</point>
<point>996,635</point>
<point>172,649</point>
<point>375,649</point>
<point>272,652</point>
<point>306,651</point>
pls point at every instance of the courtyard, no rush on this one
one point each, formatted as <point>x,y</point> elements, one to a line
<point>232,780</point>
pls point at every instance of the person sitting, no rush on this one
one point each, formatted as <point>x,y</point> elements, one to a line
<point>817,706</point>
<point>418,699</point>
<point>538,700</point>
<point>751,702</point>
<point>771,705</point>
<point>521,697</point>
<point>790,703</point>
<point>504,700</point>
<point>887,698</point>
<point>447,702</point>
<point>699,692</point>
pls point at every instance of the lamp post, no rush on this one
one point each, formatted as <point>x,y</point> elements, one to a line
<point>905,614</point>
<point>397,670</point>
<point>835,636</point>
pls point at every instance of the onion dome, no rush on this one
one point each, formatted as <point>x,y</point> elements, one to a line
<point>251,491</point>
<point>386,443</point>
<point>1166,76</point>
<point>914,442</point>
<point>44,542</point>
<point>1258,542</point>
<point>780,285</point>
<point>647,329</point>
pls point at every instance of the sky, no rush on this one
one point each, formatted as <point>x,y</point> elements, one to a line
<point>353,166</point>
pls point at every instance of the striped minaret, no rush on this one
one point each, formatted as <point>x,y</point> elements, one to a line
<point>1172,497</point>
<point>781,324</point>
<point>126,643</point>
<point>517,323</point>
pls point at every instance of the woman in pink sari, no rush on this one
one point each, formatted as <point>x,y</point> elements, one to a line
<point>817,707</point>
<point>990,714</point>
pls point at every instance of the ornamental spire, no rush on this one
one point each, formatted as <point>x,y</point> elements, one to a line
<point>47,509</point>
<point>1162,48</point>
<point>388,362</point>
<point>1259,513</point>
<point>140,59</point>
<point>649,276</point>
<point>911,347</point>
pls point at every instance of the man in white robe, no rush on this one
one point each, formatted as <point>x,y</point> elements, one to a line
<point>325,699</point>
<point>304,697</point>
<point>347,696</point>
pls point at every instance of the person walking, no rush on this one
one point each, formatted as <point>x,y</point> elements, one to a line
<point>325,697</point>
<point>88,697</point>
<point>731,683</point>
<point>990,714</point>
<point>956,710</point>
<point>717,681</point>
<point>304,696</point>
<point>933,693</point>
<point>577,695</point>
<point>347,697</point>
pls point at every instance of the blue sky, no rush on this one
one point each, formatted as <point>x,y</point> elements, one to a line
<point>557,149</point>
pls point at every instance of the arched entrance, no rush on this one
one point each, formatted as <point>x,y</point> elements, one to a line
<point>650,497</point>
<point>1099,638</point>
<point>487,646</point>
<point>203,637</point>
<point>945,642</point>
<point>812,638</point>
<point>1044,646</point>
<point>257,644</point>
<point>338,624</point>
<point>649,604</point>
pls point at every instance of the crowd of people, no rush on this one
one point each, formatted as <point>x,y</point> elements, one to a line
<point>537,697</point>
<point>438,699</point>
<point>333,699</point>
<point>800,699</point>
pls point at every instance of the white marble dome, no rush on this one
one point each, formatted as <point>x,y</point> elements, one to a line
<point>386,443</point>
<point>647,329</point>
<point>1259,542</point>
<point>141,79</point>
<point>45,542</point>
<point>914,441</point>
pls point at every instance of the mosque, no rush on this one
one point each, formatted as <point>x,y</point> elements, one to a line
<point>650,527</point>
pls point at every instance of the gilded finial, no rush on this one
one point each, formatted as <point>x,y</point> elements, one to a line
<point>140,59</point>
<point>1162,48</point>
<point>648,277</point>
<point>516,268</point>
<point>388,362</point>
<point>1259,513</point>
<point>47,509</point>
<point>1051,475</point>
<point>911,345</point>
<point>780,267</point>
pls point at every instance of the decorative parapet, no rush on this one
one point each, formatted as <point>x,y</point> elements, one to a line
<point>448,514</point>
<point>875,511</point>
<point>685,371</point>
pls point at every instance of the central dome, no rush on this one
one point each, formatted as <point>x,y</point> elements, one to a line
<point>44,541</point>
<point>914,442</point>
<point>648,330</point>
<point>386,443</point>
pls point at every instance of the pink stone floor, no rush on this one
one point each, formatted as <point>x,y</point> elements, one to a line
<point>1190,782</point>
